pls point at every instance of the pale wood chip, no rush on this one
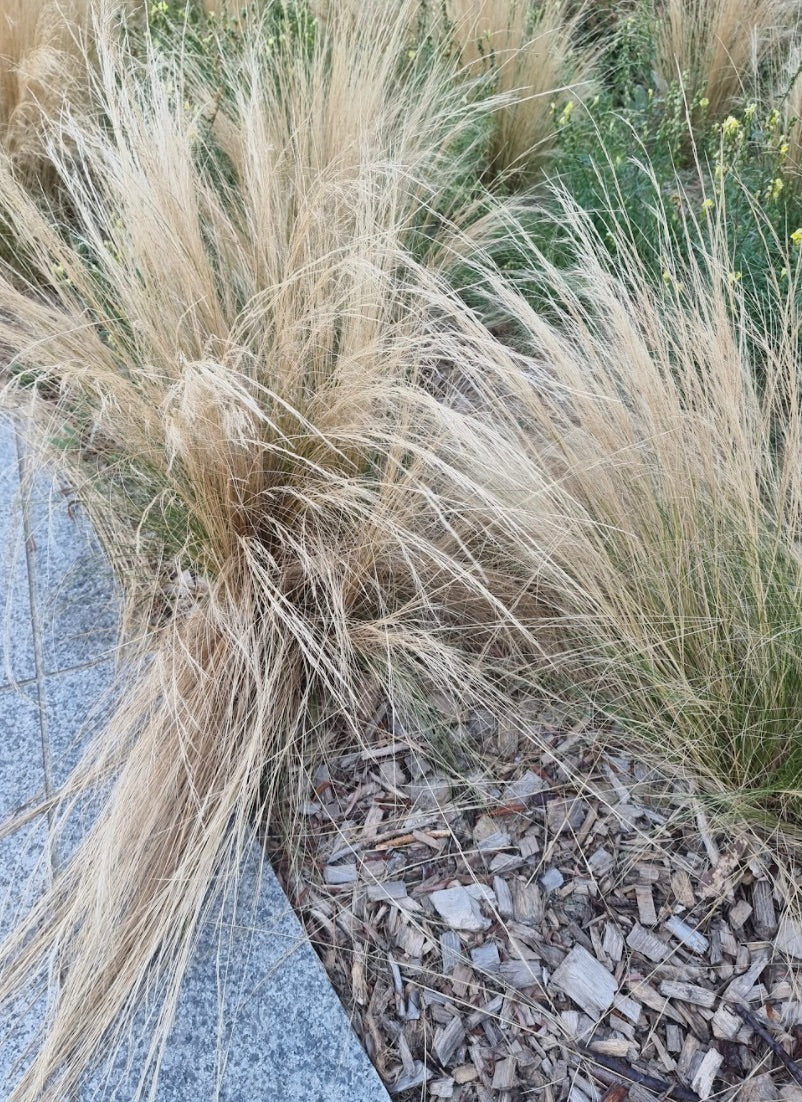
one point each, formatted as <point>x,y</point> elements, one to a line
<point>648,945</point>
<point>388,889</point>
<point>682,888</point>
<point>448,1039</point>
<point>613,1046</point>
<point>525,786</point>
<point>673,1037</point>
<point>504,1077</point>
<point>630,1008</point>
<point>601,861</point>
<point>520,974</point>
<point>499,840</point>
<point>725,1023</point>
<point>650,997</point>
<point>527,903</point>
<point>706,1073</point>
<point>760,1088</point>
<point>739,913</point>
<point>457,907</point>
<point>586,982</point>
<point>552,879</point>
<point>336,875</point>
<point>450,951</point>
<point>688,993</point>
<point>486,957</point>
<point>789,936</point>
<point>693,939</point>
<point>740,987</point>
<point>613,942</point>
<point>690,1047</point>
<point>503,897</point>
<point>565,812</point>
<point>645,902</point>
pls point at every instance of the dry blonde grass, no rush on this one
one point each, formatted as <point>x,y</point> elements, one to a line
<point>537,62</point>
<point>716,47</point>
<point>672,424</point>
<point>270,395</point>
<point>42,64</point>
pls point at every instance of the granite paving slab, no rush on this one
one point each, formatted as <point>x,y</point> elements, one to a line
<point>18,662</point>
<point>257,1017</point>
<point>73,581</point>
<point>24,859</point>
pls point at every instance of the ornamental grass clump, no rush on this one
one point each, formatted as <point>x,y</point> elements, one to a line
<point>43,64</point>
<point>671,418</point>
<point>531,53</point>
<point>717,48</point>
<point>292,441</point>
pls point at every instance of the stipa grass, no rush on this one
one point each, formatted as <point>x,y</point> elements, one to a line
<point>43,64</point>
<point>717,48</point>
<point>262,389</point>
<point>533,54</point>
<point>672,422</point>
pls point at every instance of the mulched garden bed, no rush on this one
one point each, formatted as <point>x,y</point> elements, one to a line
<point>566,926</point>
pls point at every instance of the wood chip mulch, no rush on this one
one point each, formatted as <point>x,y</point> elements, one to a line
<point>554,928</point>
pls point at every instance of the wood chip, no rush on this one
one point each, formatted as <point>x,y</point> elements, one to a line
<point>457,907</point>
<point>450,951</point>
<point>448,1039</point>
<point>690,1047</point>
<point>739,913</point>
<point>613,942</point>
<point>789,936</point>
<point>485,957</point>
<point>645,901</point>
<point>503,897</point>
<point>552,879</point>
<point>586,982</point>
<point>340,874</point>
<point>527,903</point>
<point>682,888</point>
<point>689,937</point>
<point>706,1073</point>
<point>630,1008</point>
<point>504,1078</point>
<point>648,945</point>
<point>688,993</point>
<point>725,1023</point>
<point>764,916</point>
<point>673,1037</point>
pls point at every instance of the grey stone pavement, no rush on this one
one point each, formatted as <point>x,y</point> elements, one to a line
<point>258,1019</point>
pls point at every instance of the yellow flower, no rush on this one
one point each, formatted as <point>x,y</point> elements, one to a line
<point>784,149</point>
<point>566,112</point>
<point>706,205</point>
<point>749,113</point>
<point>704,103</point>
<point>796,236</point>
<point>776,188</point>
<point>734,277</point>
<point>730,126</point>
